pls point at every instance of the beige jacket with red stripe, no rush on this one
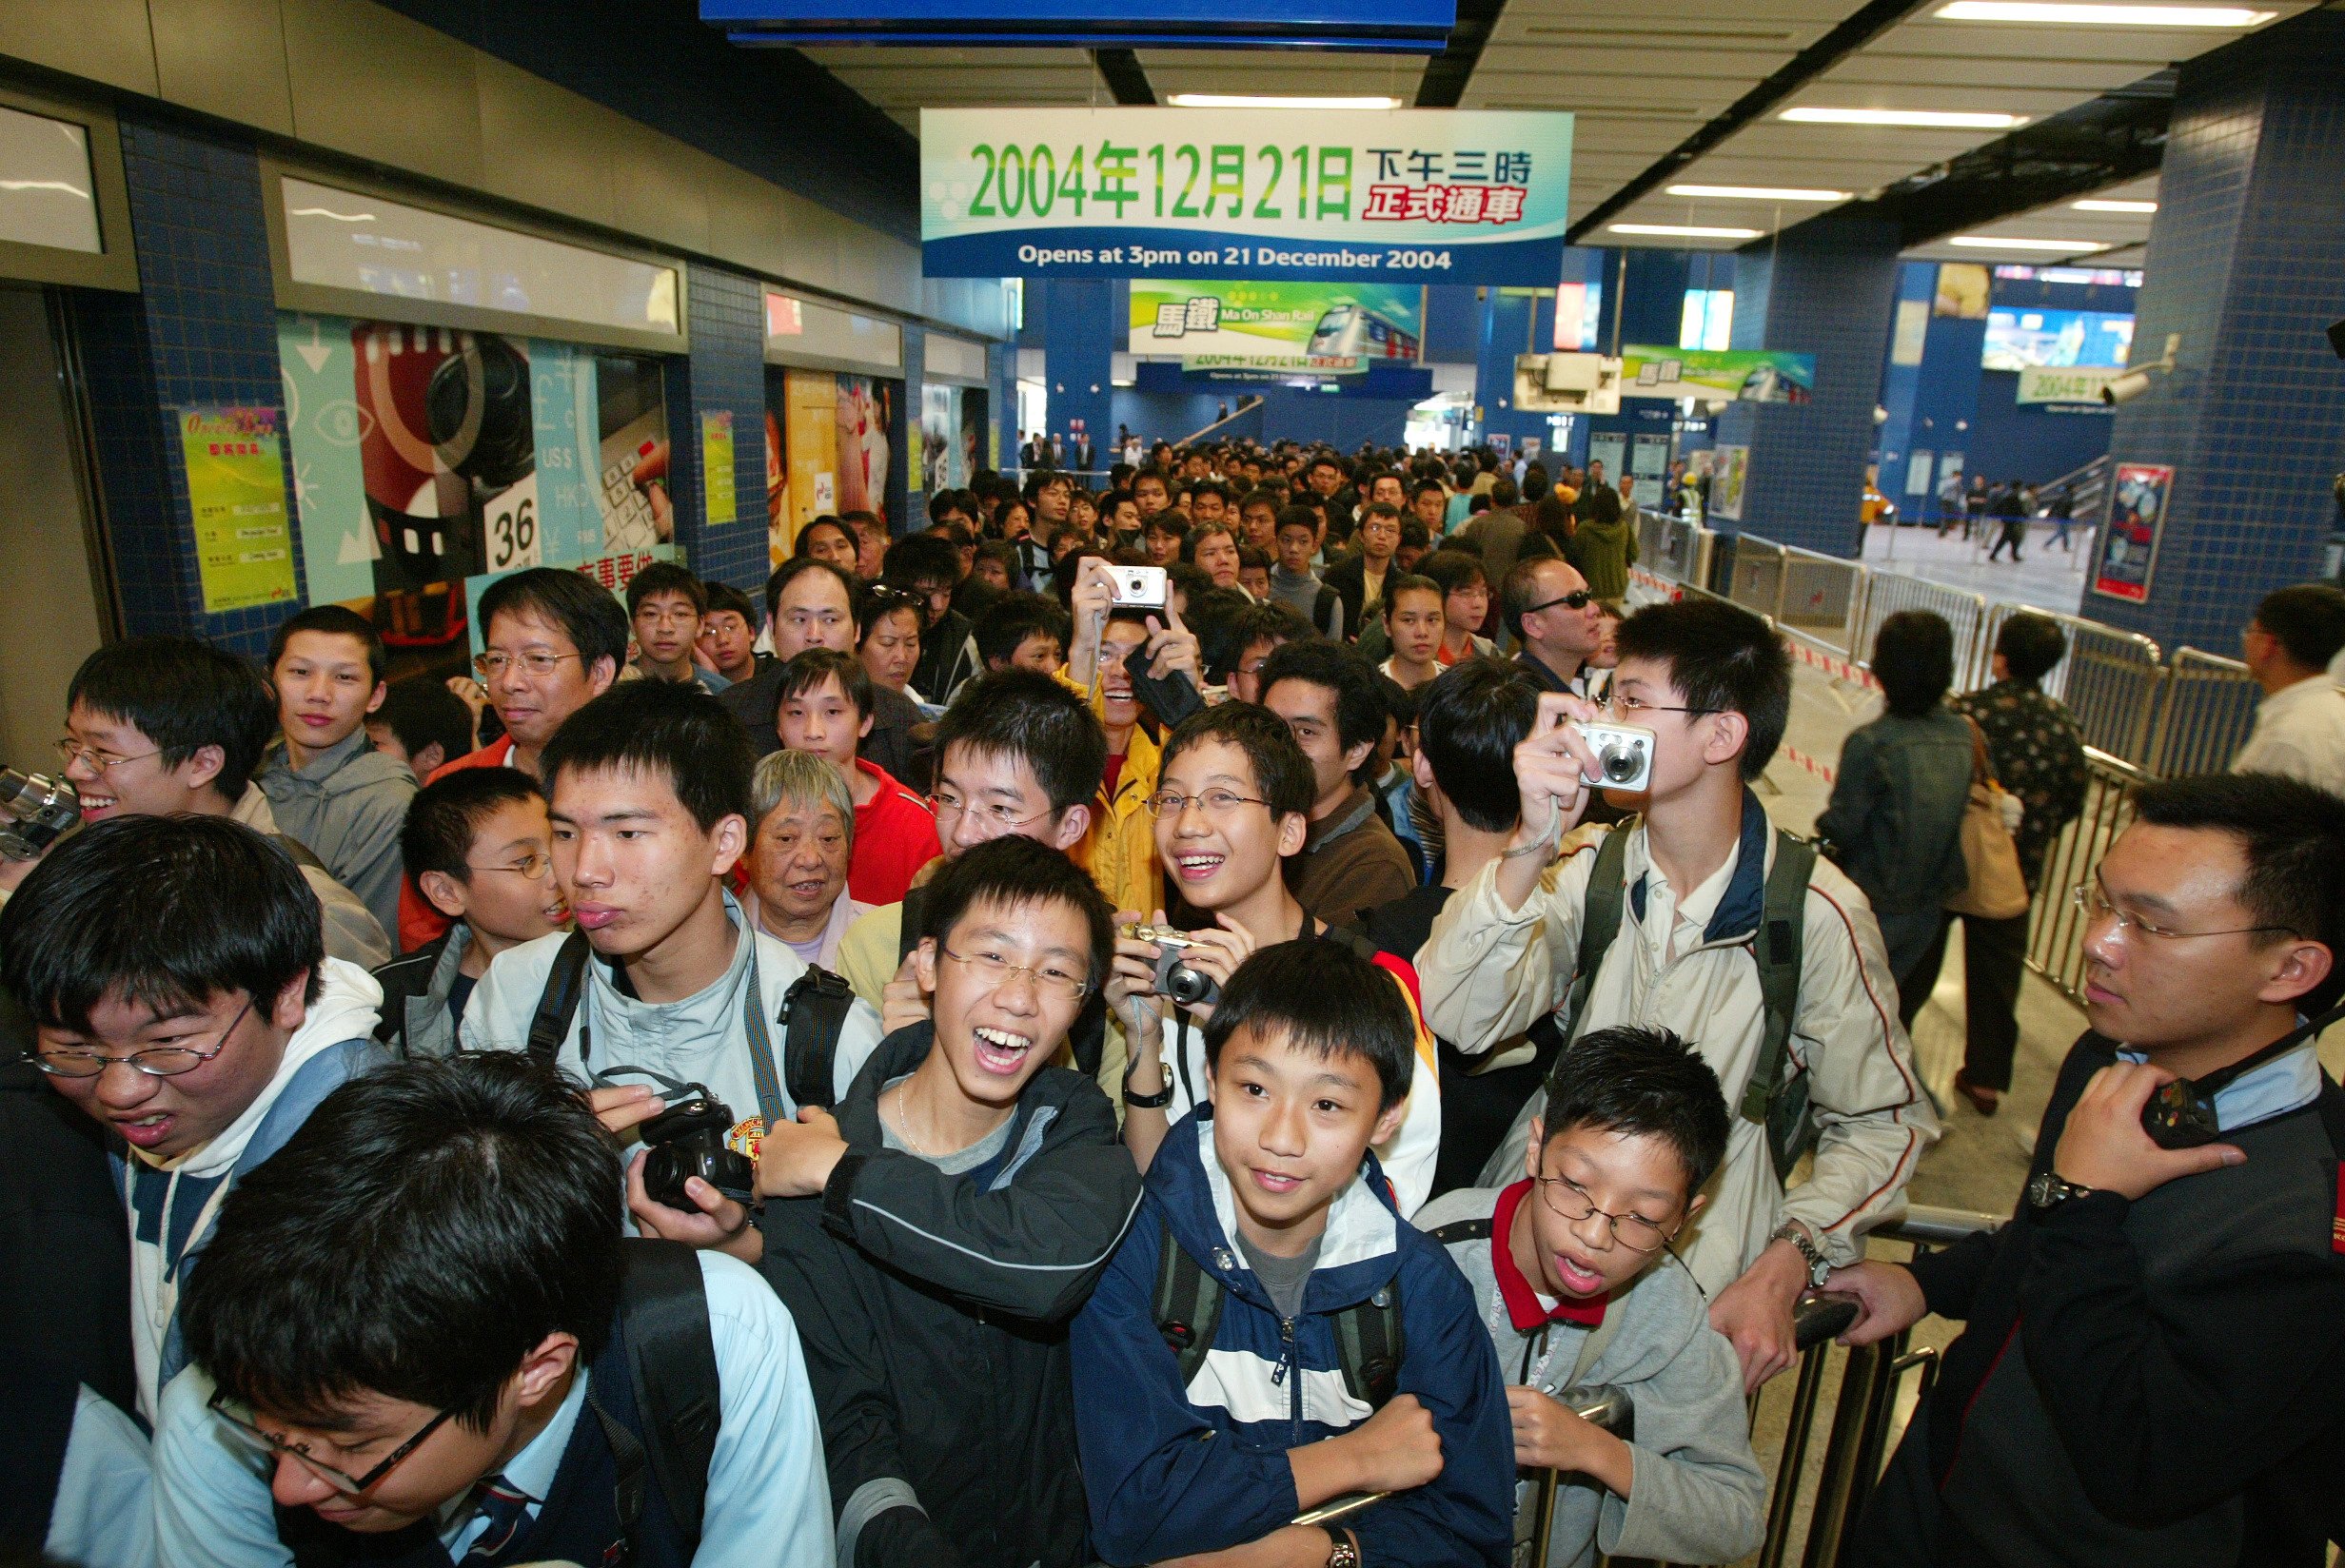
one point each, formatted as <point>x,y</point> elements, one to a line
<point>1488,972</point>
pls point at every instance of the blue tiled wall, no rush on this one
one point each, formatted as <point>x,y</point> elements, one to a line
<point>1824,287</point>
<point>2247,263</point>
<point>725,370</point>
<point>1080,332</point>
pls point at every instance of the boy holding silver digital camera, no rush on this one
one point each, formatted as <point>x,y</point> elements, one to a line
<point>1699,916</point>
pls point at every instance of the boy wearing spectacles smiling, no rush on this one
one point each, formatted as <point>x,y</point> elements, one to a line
<point>934,1239</point>
<point>1573,1278</point>
<point>479,847</point>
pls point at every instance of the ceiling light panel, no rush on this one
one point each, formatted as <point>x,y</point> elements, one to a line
<point>1929,119</point>
<point>1759,193</point>
<point>2104,205</point>
<point>2088,15</point>
<point>2003,241</point>
<point>1250,100</point>
<point>1685,231</point>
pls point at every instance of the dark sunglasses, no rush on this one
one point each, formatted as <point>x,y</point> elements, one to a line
<point>1579,599</point>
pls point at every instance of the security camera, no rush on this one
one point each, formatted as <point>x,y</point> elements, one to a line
<point>2125,388</point>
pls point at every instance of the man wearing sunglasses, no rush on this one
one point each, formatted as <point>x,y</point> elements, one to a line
<point>1557,624</point>
<point>2148,1370</point>
<point>181,998</point>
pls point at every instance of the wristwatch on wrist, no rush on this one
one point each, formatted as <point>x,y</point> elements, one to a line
<point>1148,1102</point>
<point>2048,1190</point>
<point>1345,1552</point>
<point>1819,1266</point>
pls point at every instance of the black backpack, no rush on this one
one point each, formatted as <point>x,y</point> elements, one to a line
<point>814,1010</point>
<point>1186,1306</point>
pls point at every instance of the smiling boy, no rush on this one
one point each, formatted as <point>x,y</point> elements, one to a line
<point>1208,1423</point>
<point>934,1238</point>
<point>1571,1270</point>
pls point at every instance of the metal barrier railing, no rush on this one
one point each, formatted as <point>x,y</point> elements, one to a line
<point>2205,716</point>
<point>1888,592</point>
<point>2110,679</point>
<point>1822,595</point>
<point>2056,925</point>
<point>1862,1415</point>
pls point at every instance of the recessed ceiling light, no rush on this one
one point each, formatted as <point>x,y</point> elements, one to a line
<point>1932,119</point>
<point>1760,193</point>
<point>1686,231</point>
<point>2099,204</point>
<point>2000,241</point>
<point>1257,100</point>
<point>2103,16</point>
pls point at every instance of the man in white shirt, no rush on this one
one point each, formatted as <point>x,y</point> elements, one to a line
<point>2300,723</point>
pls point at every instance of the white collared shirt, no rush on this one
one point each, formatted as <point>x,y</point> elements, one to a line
<point>2299,731</point>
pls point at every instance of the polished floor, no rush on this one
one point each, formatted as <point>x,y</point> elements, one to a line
<point>2047,576</point>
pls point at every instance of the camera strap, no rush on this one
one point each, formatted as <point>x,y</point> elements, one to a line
<point>2222,1077</point>
<point>771,1103</point>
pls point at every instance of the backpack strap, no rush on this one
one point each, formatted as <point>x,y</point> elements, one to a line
<point>1463,1230</point>
<point>1767,1100</point>
<point>627,1462</point>
<point>558,1004</point>
<point>1600,921</point>
<point>814,1010</point>
<point>673,1357</point>
<point>1368,1346</point>
<point>1186,1306</point>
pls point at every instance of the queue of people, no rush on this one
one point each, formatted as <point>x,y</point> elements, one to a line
<point>968,1063</point>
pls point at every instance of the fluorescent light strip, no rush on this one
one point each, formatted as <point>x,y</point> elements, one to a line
<point>2100,206</point>
<point>1760,193</point>
<point>1929,119</point>
<point>1997,242</point>
<point>2103,16</point>
<point>1686,231</point>
<point>1250,100</point>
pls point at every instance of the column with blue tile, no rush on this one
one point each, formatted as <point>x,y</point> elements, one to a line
<point>1824,287</point>
<point>2247,264</point>
<point>202,330</point>
<point>1933,404</point>
<point>1080,335</point>
<point>724,373</point>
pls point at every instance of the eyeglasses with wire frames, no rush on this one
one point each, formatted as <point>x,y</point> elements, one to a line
<point>529,868</point>
<point>71,751</point>
<point>240,1415</point>
<point>1000,815</point>
<point>1572,1201</point>
<point>2095,903</point>
<point>992,971</point>
<point>1216,804</point>
<point>155,1062</point>
<point>536,660</point>
<point>1614,702</point>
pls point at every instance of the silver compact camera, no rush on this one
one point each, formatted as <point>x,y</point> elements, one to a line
<point>35,812</point>
<point>1624,755</point>
<point>1137,587</point>
<point>1191,988</point>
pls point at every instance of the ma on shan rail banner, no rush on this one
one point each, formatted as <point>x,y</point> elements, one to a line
<point>1402,196</point>
<point>1329,328</point>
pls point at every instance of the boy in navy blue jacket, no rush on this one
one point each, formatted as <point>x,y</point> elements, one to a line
<point>1295,1341</point>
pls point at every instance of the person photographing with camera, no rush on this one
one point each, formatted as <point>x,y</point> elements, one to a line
<point>2120,1394</point>
<point>1700,917</point>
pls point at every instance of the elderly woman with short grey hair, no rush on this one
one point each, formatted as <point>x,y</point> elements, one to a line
<point>798,852</point>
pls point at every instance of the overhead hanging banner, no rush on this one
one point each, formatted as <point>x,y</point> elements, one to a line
<point>2079,385</point>
<point>1750,375</point>
<point>1394,195</point>
<point>1329,328</point>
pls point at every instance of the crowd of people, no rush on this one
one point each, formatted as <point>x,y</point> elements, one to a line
<point>977,1059</point>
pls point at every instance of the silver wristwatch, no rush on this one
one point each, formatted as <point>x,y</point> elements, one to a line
<point>1819,1266</point>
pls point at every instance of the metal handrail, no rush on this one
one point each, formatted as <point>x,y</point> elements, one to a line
<point>2111,679</point>
<point>2205,716</point>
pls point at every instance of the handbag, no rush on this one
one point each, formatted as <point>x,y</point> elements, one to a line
<point>1997,891</point>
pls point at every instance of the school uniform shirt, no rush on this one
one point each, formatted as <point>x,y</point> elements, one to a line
<point>2299,731</point>
<point>347,804</point>
<point>1173,1468</point>
<point>768,1500</point>
<point>1699,1494</point>
<point>699,1039</point>
<point>1682,960</point>
<point>173,1204</point>
<point>894,835</point>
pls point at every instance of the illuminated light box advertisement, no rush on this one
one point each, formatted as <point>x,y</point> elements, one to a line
<point>1750,375</point>
<point>2018,339</point>
<point>1338,329</point>
<point>244,547</point>
<point>2062,384</point>
<point>2127,551</point>
<point>1390,195</point>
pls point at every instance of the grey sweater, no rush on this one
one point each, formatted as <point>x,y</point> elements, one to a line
<point>1699,1495</point>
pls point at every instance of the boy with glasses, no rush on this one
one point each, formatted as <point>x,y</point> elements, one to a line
<point>934,1239</point>
<point>666,606</point>
<point>1701,917</point>
<point>1571,1270</point>
<point>480,1369</point>
<point>480,850</point>
<point>181,996</point>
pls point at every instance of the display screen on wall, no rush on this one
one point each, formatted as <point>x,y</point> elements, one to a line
<point>2017,340</point>
<point>829,443</point>
<point>1328,329</point>
<point>425,455</point>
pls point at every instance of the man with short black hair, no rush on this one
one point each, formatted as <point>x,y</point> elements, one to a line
<point>809,603</point>
<point>1556,622</point>
<point>666,605</point>
<point>729,633</point>
<point>1358,580</point>
<point>422,724</point>
<point>931,568</point>
<point>1025,630</point>
<point>1349,859</point>
<point>2290,645</point>
<point>2148,1341</point>
<point>825,712</point>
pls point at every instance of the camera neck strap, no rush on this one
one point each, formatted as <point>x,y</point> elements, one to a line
<point>2310,1028</point>
<point>771,1104</point>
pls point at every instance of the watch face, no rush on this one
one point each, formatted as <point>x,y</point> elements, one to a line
<point>2045,1190</point>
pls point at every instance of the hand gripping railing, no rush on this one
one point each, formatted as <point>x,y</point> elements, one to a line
<point>1863,1413</point>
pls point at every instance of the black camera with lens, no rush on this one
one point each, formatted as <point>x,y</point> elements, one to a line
<point>1175,979</point>
<point>688,1139</point>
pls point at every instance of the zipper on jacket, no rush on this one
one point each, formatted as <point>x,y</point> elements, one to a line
<point>1287,1358</point>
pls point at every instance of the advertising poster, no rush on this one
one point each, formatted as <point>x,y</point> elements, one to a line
<point>1331,329</point>
<point>235,470</point>
<point>866,410</point>
<point>1751,375</point>
<point>717,465</point>
<point>2018,339</point>
<point>1963,288</point>
<point>939,435</point>
<point>2128,548</point>
<point>614,572</point>
<point>1911,332</point>
<point>979,436</point>
<point>1373,195</point>
<point>427,455</point>
<point>1729,473</point>
<point>801,466</point>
